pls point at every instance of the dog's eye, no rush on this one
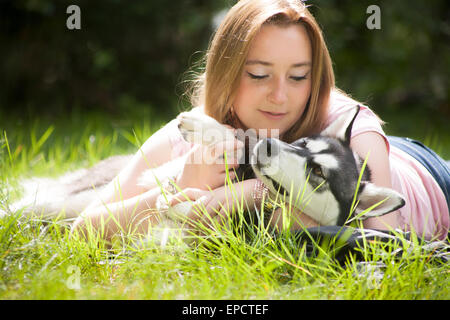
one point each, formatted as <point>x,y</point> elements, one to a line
<point>317,170</point>
<point>303,143</point>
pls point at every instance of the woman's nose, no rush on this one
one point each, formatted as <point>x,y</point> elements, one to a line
<point>278,93</point>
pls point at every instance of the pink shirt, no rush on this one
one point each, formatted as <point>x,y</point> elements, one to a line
<point>426,209</point>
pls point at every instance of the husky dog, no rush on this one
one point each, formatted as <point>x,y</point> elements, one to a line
<point>322,169</point>
<point>326,171</point>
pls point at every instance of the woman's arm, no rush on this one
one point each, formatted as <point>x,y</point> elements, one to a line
<point>220,202</point>
<point>122,200</point>
<point>130,215</point>
<point>153,153</point>
<point>373,144</point>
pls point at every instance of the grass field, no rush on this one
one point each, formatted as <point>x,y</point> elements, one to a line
<point>38,259</point>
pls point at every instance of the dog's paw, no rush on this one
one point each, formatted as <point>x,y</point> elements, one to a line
<point>201,129</point>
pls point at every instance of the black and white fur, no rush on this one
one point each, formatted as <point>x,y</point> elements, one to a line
<point>322,168</point>
<point>325,171</point>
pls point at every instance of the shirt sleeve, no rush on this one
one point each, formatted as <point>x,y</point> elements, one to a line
<point>366,121</point>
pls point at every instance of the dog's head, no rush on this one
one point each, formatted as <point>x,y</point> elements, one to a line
<point>319,175</point>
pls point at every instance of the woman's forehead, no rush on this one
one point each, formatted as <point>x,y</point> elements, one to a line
<point>280,44</point>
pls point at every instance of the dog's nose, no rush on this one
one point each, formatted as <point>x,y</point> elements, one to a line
<point>265,153</point>
<point>269,147</point>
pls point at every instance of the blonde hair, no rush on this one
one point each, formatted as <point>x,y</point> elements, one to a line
<point>227,54</point>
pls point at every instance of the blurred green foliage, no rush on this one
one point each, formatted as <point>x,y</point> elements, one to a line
<point>403,66</point>
<point>127,55</point>
<point>133,55</point>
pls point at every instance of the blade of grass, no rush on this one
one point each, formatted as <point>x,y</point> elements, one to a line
<point>7,147</point>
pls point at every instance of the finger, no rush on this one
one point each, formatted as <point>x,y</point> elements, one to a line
<point>232,164</point>
<point>222,163</point>
<point>231,174</point>
<point>219,154</point>
<point>218,150</point>
<point>222,216</point>
<point>219,180</point>
<point>195,154</point>
<point>189,194</point>
<point>199,210</point>
<point>233,157</point>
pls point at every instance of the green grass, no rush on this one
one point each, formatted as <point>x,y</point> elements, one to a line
<point>38,259</point>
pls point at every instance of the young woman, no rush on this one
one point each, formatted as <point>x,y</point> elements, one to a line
<point>268,67</point>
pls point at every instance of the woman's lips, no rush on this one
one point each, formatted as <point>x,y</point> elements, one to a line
<point>273,115</point>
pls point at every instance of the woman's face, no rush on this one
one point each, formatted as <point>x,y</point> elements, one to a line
<point>276,80</point>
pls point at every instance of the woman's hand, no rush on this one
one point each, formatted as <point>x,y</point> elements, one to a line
<point>205,166</point>
<point>219,203</point>
<point>206,205</point>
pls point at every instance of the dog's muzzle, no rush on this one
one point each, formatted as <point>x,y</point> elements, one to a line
<point>265,152</point>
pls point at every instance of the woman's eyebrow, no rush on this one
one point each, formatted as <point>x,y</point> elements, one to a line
<point>265,63</point>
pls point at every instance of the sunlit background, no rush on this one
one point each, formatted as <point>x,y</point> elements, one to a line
<point>131,60</point>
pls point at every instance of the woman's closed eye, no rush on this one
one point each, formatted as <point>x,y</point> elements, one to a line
<point>257,76</point>
<point>298,78</point>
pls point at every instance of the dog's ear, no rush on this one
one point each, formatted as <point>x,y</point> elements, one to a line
<point>385,199</point>
<point>341,128</point>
